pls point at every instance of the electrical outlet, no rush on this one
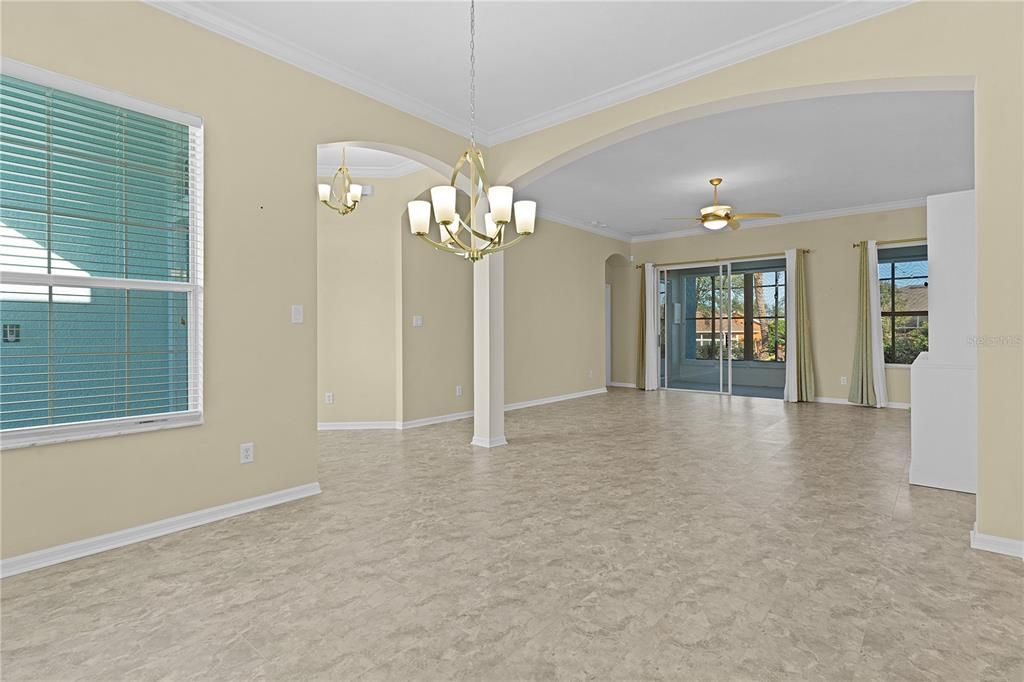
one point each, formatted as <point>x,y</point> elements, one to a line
<point>246,453</point>
<point>842,380</point>
<point>417,320</point>
<point>590,374</point>
<point>329,398</point>
<point>458,391</point>
<point>297,314</point>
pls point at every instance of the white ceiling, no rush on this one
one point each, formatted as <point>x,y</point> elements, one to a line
<point>808,158</point>
<point>363,163</point>
<point>538,63</point>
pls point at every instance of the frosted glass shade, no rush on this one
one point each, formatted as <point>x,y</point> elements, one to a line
<point>443,198</point>
<point>324,191</point>
<point>490,227</point>
<point>355,193</point>
<point>716,223</point>
<point>419,217</point>
<point>717,209</point>
<point>500,200</point>
<point>526,216</point>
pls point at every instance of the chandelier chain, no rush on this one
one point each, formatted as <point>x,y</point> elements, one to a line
<point>465,237</point>
<point>472,72</point>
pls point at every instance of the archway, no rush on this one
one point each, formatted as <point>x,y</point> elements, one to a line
<point>621,304</point>
<point>538,161</point>
<point>388,307</point>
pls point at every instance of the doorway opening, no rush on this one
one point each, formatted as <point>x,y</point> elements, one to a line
<point>723,328</point>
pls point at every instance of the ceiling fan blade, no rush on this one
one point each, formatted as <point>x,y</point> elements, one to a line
<point>697,219</point>
<point>734,224</point>
<point>754,216</point>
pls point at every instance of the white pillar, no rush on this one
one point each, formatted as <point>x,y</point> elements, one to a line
<point>489,351</point>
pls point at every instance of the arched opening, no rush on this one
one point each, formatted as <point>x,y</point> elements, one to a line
<point>524,170</point>
<point>621,302</point>
<point>394,317</point>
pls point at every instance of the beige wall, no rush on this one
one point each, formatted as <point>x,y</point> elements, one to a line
<point>832,275</point>
<point>263,121</point>
<point>373,277</point>
<point>439,355</point>
<point>358,298</point>
<point>554,312</point>
<point>625,282</point>
<point>980,41</point>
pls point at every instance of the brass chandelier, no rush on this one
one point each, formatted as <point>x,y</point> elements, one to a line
<point>456,235</point>
<point>342,195</point>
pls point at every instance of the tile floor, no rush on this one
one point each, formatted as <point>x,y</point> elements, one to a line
<point>628,536</point>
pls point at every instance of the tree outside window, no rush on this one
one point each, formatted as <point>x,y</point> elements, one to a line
<point>903,289</point>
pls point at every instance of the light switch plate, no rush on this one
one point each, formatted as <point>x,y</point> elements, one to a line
<point>297,314</point>
<point>417,320</point>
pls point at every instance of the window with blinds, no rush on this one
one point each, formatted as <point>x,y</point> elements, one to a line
<point>100,262</point>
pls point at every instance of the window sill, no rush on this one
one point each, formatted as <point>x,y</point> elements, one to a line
<point>64,433</point>
<point>893,365</point>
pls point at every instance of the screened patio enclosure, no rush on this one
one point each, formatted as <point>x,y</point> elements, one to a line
<point>723,328</point>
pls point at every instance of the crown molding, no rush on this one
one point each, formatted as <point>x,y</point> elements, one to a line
<point>816,24</point>
<point>787,220</point>
<point>580,225</point>
<point>205,15</point>
<point>398,170</point>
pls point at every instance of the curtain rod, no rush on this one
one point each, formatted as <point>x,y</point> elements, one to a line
<point>720,260</point>
<point>896,241</point>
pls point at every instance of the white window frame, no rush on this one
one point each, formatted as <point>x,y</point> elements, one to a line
<point>59,433</point>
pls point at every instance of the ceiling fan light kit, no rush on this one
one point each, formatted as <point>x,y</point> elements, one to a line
<point>717,216</point>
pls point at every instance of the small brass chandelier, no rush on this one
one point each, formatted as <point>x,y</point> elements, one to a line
<point>342,195</point>
<point>472,244</point>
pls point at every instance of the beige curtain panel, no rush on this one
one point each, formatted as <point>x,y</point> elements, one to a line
<point>647,341</point>
<point>867,384</point>
<point>799,359</point>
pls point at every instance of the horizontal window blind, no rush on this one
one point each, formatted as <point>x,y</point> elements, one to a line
<point>100,263</point>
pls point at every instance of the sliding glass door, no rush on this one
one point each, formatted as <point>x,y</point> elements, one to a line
<point>723,328</point>
<point>695,328</point>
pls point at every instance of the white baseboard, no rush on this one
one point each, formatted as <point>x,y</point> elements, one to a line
<point>482,442</point>
<point>101,543</point>
<point>843,401</point>
<point>994,543</point>
<point>412,424</point>
<point>554,399</point>
<point>427,421</point>
<point>620,384</point>
<point>355,426</point>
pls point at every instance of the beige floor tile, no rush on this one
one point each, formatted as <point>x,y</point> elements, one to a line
<point>630,536</point>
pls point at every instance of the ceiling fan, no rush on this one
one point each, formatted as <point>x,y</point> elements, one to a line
<point>716,216</point>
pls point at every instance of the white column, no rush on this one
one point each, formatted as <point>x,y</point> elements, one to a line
<point>489,351</point>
